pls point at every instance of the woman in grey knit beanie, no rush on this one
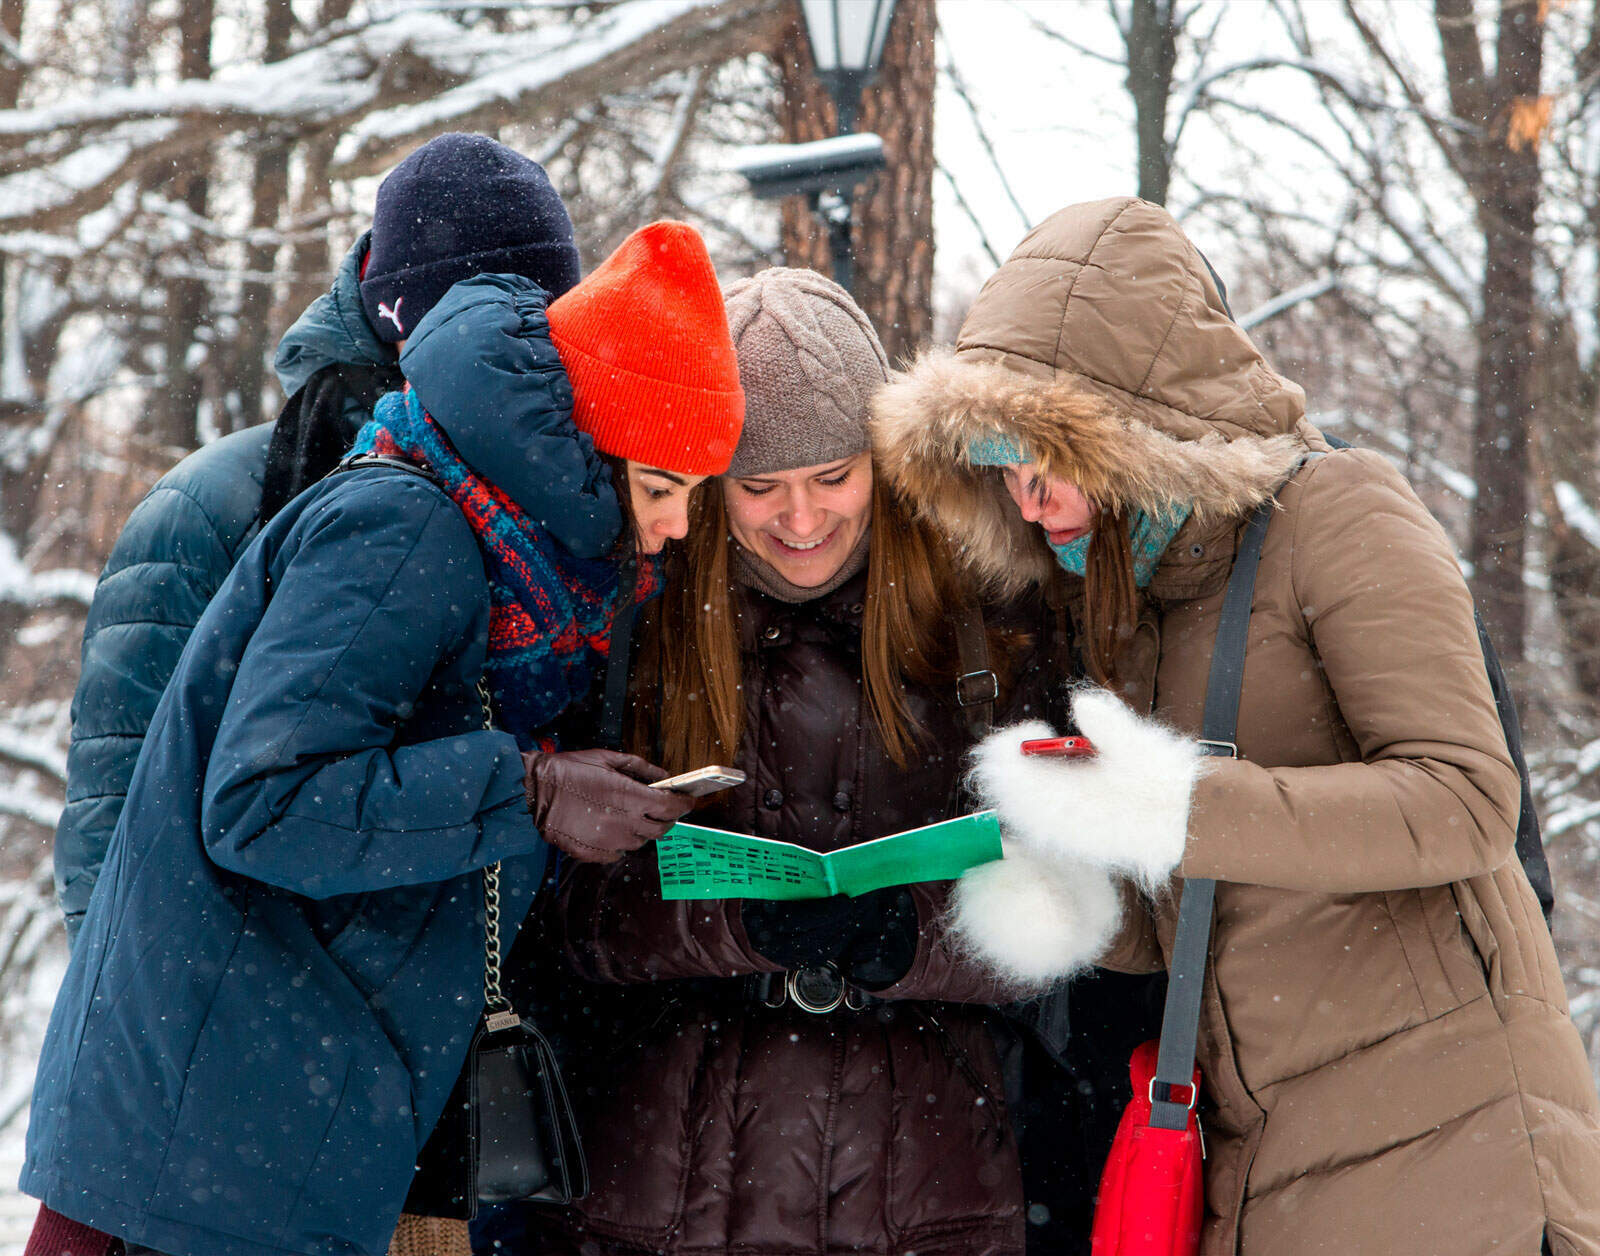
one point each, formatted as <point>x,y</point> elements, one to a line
<point>808,638</point>
<point>799,491</point>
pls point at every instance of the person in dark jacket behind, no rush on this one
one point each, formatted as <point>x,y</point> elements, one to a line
<point>814,648</point>
<point>283,965</point>
<point>460,205</point>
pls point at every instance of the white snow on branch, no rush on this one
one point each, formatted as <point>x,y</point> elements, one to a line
<point>18,584</point>
<point>30,244</point>
<point>1458,482</point>
<point>1571,818</point>
<point>1587,759</point>
<point>27,805</point>
<point>27,193</point>
<point>1439,261</point>
<point>1580,516</point>
<point>34,752</point>
<point>321,81</point>
<point>539,60</point>
<point>1288,300</point>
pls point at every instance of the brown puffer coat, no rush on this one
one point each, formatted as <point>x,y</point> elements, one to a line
<point>731,1127</point>
<point>1389,1065</point>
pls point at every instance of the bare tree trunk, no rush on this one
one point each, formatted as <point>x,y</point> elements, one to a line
<point>311,256</point>
<point>1501,163</point>
<point>178,421</point>
<point>1152,47</point>
<point>270,189</point>
<point>893,229</point>
<point>11,75</point>
<point>16,475</point>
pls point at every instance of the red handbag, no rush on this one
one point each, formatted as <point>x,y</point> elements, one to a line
<point>1152,1193</point>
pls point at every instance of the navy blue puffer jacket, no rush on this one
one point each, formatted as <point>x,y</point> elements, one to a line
<point>169,561</point>
<point>282,963</point>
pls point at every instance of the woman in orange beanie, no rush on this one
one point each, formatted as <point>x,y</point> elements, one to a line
<point>648,369</point>
<point>655,379</point>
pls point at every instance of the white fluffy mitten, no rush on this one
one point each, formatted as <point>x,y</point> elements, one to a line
<point>1033,922</point>
<point>1126,809</point>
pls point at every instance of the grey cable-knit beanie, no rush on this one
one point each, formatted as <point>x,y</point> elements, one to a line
<point>809,362</point>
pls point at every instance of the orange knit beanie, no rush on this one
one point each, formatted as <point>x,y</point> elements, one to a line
<point>645,342</point>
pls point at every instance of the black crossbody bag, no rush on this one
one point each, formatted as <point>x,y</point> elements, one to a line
<point>522,1141</point>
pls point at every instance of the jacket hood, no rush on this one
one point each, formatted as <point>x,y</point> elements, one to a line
<point>1102,348</point>
<point>333,330</point>
<point>481,362</point>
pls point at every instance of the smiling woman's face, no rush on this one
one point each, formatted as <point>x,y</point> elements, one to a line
<point>803,522</point>
<point>1061,511</point>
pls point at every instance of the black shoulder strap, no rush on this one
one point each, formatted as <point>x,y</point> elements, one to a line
<point>357,461</point>
<point>312,432</point>
<point>1172,1093</point>
<point>977,687</point>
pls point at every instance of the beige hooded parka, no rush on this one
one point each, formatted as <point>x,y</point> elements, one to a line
<point>1389,1065</point>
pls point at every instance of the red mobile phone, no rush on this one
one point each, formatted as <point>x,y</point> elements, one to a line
<point>1060,747</point>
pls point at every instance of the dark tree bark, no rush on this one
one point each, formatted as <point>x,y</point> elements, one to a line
<point>17,482</point>
<point>1151,40</point>
<point>1563,449</point>
<point>311,256</point>
<point>1500,159</point>
<point>893,227</point>
<point>178,410</point>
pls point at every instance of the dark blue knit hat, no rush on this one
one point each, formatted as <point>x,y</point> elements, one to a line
<point>461,205</point>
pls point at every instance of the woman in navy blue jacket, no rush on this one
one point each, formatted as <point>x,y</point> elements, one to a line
<point>281,966</point>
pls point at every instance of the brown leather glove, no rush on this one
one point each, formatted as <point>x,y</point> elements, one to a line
<point>596,804</point>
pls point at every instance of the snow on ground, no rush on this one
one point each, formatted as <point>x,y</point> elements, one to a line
<point>24,1018</point>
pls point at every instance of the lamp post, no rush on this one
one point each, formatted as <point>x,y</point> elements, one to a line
<point>847,38</point>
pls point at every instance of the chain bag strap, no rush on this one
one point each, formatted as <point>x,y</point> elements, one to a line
<point>519,1140</point>
<point>524,1134</point>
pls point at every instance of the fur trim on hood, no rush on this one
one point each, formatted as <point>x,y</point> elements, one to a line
<point>925,423</point>
<point>1104,348</point>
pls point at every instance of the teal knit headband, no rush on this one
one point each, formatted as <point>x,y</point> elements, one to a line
<point>1150,534</point>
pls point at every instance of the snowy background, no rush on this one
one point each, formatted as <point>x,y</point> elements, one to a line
<point>177,180</point>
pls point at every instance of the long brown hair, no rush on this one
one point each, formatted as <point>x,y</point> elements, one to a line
<point>691,711</point>
<point>1111,598</point>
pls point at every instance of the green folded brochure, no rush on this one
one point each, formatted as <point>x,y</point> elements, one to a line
<point>708,863</point>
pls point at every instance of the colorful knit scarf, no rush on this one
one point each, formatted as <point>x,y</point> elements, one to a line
<point>550,612</point>
<point>1150,534</point>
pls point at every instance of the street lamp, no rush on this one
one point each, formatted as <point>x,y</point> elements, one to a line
<point>846,44</point>
<point>847,38</point>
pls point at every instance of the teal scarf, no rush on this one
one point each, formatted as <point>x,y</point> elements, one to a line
<point>1150,534</point>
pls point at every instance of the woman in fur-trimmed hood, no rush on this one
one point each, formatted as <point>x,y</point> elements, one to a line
<point>1388,1061</point>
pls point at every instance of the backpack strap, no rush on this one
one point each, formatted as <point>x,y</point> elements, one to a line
<point>1173,1093</point>
<point>357,461</point>
<point>312,432</point>
<point>977,687</point>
